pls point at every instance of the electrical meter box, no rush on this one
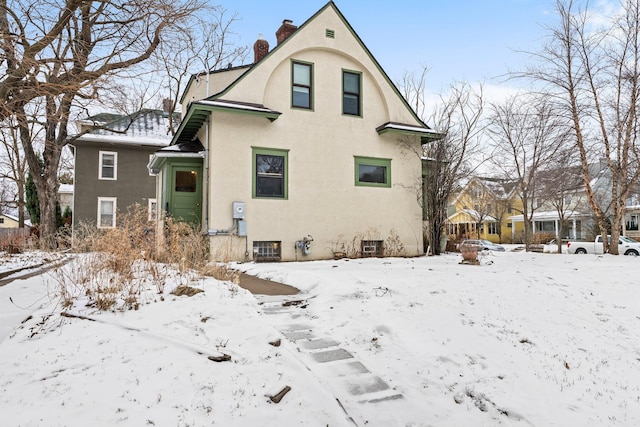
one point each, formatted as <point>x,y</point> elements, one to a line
<point>238,210</point>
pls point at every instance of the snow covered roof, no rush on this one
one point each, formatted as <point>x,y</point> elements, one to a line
<point>27,222</point>
<point>475,215</point>
<point>146,127</point>
<point>403,128</point>
<point>65,188</point>
<point>501,188</point>
<point>191,149</point>
<point>548,216</point>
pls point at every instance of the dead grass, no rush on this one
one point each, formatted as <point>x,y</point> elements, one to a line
<point>184,290</point>
<point>115,265</point>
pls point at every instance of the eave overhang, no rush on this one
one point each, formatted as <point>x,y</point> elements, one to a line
<point>426,134</point>
<point>160,157</point>
<point>199,111</point>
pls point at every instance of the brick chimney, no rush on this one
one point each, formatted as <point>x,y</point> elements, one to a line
<point>260,49</point>
<point>286,29</point>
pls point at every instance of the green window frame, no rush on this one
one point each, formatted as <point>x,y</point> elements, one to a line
<point>351,93</point>
<point>270,170</point>
<point>302,85</point>
<point>372,172</point>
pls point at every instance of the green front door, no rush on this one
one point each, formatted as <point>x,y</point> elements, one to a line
<point>186,193</point>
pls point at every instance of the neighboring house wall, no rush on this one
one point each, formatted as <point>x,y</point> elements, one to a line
<point>483,211</point>
<point>632,222</point>
<point>111,161</point>
<point>132,183</point>
<point>65,197</point>
<point>218,81</point>
<point>8,221</point>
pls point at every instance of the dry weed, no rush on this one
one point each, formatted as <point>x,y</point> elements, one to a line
<point>115,264</point>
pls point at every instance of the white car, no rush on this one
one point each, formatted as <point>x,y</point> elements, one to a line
<point>626,246</point>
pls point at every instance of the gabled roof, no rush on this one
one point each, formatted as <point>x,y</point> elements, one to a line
<point>500,189</point>
<point>146,127</point>
<point>469,213</point>
<point>198,111</point>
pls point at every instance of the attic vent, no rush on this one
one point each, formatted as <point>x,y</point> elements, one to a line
<point>331,34</point>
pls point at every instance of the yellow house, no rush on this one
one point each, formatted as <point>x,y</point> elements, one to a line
<point>8,221</point>
<point>482,209</point>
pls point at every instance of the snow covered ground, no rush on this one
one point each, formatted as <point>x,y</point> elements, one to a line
<point>524,339</point>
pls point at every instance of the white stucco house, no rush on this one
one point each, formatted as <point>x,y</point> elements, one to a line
<point>308,152</point>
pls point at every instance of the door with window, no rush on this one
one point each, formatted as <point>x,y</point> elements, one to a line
<point>186,193</point>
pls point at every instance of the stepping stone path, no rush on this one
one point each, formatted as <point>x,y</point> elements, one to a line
<point>350,381</point>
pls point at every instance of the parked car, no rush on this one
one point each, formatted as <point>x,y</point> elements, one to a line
<point>482,245</point>
<point>626,245</point>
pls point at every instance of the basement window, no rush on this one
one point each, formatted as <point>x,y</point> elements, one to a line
<point>371,248</point>
<point>266,251</point>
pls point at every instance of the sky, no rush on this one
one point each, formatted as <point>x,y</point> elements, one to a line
<point>523,339</point>
<point>458,40</point>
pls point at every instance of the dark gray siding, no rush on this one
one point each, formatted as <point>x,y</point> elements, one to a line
<point>133,183</point>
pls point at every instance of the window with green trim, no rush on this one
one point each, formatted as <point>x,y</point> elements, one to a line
<point>373,172</point>
<point>301,85</point>
<point>270,169</point>
<point>351,89</point>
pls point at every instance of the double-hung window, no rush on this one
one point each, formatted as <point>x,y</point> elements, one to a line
<point>108,165</point>
<point>493,228</point>
<point>302,85</point>
<point>351,91</point>
<point>372,172</point>
<point>270,169</point>
<point>107,212</point>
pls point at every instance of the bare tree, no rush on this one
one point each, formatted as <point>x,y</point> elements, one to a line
<point>13,167</point>
<point>595,75</point>
<point>205,45</point>
<point>56,53</point>
<point>560,187</point>
<point>458,118</point>
<point>526,133</point>
<point>414,89</point>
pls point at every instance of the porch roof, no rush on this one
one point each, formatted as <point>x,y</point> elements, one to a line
<point>548,216</point>
<point>463,216</point>
<point>427,134</point>
<point>189,150</point>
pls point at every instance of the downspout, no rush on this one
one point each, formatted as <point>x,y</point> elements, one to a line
<point>73,212</point>
<point>205,186</point>
<point>205,189</point>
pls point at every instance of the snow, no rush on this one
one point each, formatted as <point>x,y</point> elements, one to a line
<point>237,106</point>
<point>400,126</point>
<point>525,339</point>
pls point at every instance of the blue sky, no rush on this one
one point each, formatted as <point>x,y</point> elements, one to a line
<point>459,40</point>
